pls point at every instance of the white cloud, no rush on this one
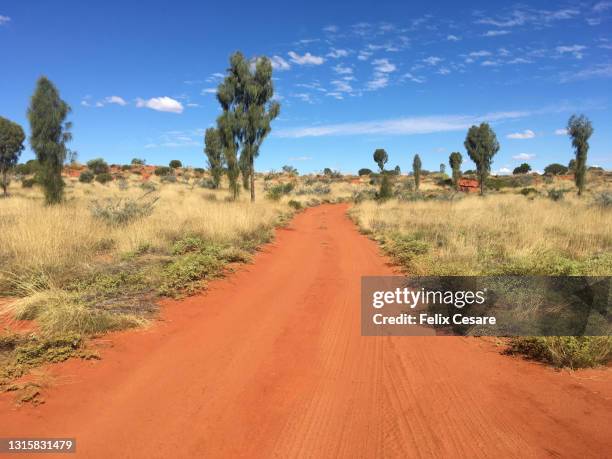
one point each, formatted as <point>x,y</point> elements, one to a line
<point>343,69</point>
<point>495,33</point>
<point>596,71</point>
<point>278,63</point>
<point>378,82</point>
<point>433,60</point>
<point>208,91</point>
<point>489,63</point>
<point>526,134</point>
<point>413,78</point>
<point>331,29</point>
<point>303,96</point>
<point>480,53</point>
<point>341,86</point>
<point>306,59</point>
<point>336,53</point>
<point>502,171</point>
<point>364,55</point>
<point>400,126</point>
<point>4,19</point>
<point>85,103</point>
<point>383,66</point>
<point>576,50</point>
<point>561,131</point>
<point>602,6</point>
<point>520,17</point>
<point>115,100</point>
<point>453,38</point>
<point>519,60</point>
<point>443,71</point>
<point>523,156</point>
<point>161,104</point>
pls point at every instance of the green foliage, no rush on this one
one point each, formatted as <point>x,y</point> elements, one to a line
<point>364,171</point>
<point>187,272</point>
<point>416,171</point>
<point>522,169</point>
<point>565,351</point>
<point>245,96</point>
<point>49,136</point>
<point>291,170</point>
<point>555,169</point>
<point>175,164</point>
<point>138,162</point>
<point>442,168</point>
<point>276,192</point>
<point>405,247</point>
<point>29,168</point>
<point>11,146</point>
<point>214,152</point>
<point>296,205</point>
<point>481,144</point>
<point>119,212</point>
<point>381,158</point>
<point>28,182</point>
<point>162,170</point>
<point>103,178</point>
<point>86,177</point>
<point>556,195</point>
<point>455,159</point>
<point>386,190</point>
<point>98,166</point>
<point>580,129</point>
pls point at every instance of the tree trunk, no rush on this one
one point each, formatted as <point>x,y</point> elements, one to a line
<point>481,185</point>
<point>4,183</point>
<point>252,170</point>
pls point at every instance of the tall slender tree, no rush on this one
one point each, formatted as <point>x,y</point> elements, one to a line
<point>11,146</point>
<point>50,132</point>
<point>481,144</point>
<point>455,159</point>
<point>580,129</point>
<point>214,153</point>
<point>246,96</point>
<point>416,171</point>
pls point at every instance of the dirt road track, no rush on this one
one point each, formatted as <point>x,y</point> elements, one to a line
<point>270,363</point>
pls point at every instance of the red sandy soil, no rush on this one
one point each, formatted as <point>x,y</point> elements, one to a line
<point>269,362</point>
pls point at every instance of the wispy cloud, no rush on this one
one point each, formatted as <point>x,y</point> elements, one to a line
<point>278,63</point>
<point>177,139</point>
<point>576,50</point>
<point>300,158</point>
<point>337,53</point>
<point>453,38</point>
<point>595,71</point>
<point>383,66</point>
<point>400,126</point>
<point>433,60</point>
<point>115,100</point>
<point>526,134</point>
<point>382,69</point>
<point>495,33</point>
<point>343,69</point>
<point>161,104</point>
<point>561,131</point>
<point>523,156</point>
<point>411,77</point>
<point>306,59</point>
<point>4,20</point>
<point>602,6</point>
<point>331,28</point>
<point>523,16</point>
<point>208,91</point>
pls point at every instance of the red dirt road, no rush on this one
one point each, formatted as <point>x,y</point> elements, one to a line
<point>270,363</point>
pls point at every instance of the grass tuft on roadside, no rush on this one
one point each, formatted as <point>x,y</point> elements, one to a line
<point>565,351</point>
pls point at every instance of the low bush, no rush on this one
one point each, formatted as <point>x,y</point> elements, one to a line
<point>86,177</point>
<point>297,205</point>
<point>103,178</point>
<point>162,170</point>
<point>276,192</point>
<point>603,199</point>
<point>28,182</point>
<point>118,212</point>
<point>565,351</point>
<point>555,195</point>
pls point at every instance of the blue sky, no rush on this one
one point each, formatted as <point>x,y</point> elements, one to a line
<point>350,76</point>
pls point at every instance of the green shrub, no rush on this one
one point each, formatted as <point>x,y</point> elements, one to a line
<point>28,182</point>
<point>556,195</point>
<point>278,191</point>
<point>103,178</point>
<point>98,166</point>
<point>162,170</point>
<point>187,272</point>
<point>86,177</point>
<point>405,247</point>
<point>565,351</point>
<point>118,212</point>
<point>175,164</point>
<point>529,190</point>
<point>297,205</point>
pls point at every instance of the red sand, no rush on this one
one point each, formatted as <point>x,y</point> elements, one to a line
<point>270,363</point>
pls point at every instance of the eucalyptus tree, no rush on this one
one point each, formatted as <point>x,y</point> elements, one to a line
<point>50,132</point>
<point>580,129</point>
<point>481,144</point>
<point>455,159</point>
<point>214,153</point>
<point>416,171</point>
<point>245,95</point>
<point>11,146</point>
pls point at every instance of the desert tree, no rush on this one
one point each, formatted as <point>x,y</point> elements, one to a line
<point>381,158</point>
<point>416,171</point>
<point>11,146</point>
<point>214,153</point>
<point>246,96</point>
<point>522,169</point>
<point>175,164</point>
<point>555,169</point>
<point>50,132</point>
<point>454,160</point>
<point>481,144</point>
<point>580,129</point>
<point>442,168</point>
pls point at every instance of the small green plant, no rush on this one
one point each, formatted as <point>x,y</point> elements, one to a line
<point>278,191</point>
<point>86,177</point>
<point>565,351</point>
<point>104,178</point>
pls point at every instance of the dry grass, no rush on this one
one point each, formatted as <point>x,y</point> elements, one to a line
<point>498,234</point>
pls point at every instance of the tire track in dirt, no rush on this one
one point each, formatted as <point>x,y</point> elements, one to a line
<point>269,362</point>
